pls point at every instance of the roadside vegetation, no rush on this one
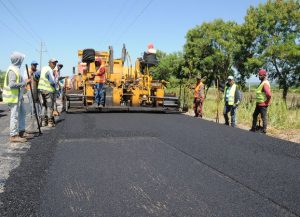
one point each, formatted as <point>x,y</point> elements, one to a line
<point>2,74</point>
<point>269,38</point>
<point>282,115</point>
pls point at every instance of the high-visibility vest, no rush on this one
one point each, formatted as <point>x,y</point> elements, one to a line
<point>229,95</point>
<point>11,95</point>
<point>261,95</point>
<point>197,88</point>
<point>44,83</point>
<point>100,78</point>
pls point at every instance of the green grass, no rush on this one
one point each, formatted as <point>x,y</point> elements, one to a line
<point>281,116</point>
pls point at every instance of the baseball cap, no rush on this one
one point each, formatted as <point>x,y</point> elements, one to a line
<point>230,77</point>
<point>34,62</point>
<point>52,60</point>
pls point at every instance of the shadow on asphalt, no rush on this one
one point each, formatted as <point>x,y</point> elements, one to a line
<point>2,115</point>
<point>59,120</point>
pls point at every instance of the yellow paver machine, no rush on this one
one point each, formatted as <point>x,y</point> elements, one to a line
<point>127,89</point>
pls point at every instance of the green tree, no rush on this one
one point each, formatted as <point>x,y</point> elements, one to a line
<point>243,60</point>
<point>274,31</point>
<point>209,50</point>
<point>169,65</point>
<point>2,75</point>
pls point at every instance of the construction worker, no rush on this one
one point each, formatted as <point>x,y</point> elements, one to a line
<point>34,75</point>
<point>66,86</point>
<point>151,48</point>
<point>13,89</point>
<point>47,87</point>
<point>56,74</point>
<point>263,100</point>
<point>199,95</point>
<point>231,100</point>
<point>99,83</point>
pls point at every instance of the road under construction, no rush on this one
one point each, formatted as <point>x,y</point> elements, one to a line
<point>138,155</point>
<point>148,164</point>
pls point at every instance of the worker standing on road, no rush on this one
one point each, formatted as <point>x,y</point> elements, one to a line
<point>66,86</point>
<point>263,100</point>
<point>232,99</point>
<point>100,83</point>
<point>47,88</point>
<point>199,95</point>
<point>14,86</point>
<point>34,75</point>
<point>56,74</point>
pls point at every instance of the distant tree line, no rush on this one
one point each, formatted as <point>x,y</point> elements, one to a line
<point>269,38</point>
<point>2,74</point>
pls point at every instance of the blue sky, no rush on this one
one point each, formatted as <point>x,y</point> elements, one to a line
<point>66,26</point>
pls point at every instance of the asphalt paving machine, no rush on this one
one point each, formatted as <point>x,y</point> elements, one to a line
<point>128,88</point>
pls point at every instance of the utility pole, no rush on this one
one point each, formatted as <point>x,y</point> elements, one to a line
<point>41,51</point>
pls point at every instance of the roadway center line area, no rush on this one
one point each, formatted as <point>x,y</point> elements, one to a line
<point>121,164</point>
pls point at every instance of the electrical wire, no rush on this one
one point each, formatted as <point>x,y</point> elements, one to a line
<point>25,20</point>
<point>134,20</point>
<point>16,18</point>
<point>16,34</point>
<point>110,27</point>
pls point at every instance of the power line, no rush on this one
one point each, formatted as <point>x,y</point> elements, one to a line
<point>19,36</point>
<point>134,20</point>
<point>110,27</point>
<point>25,20</point>
<point>17,19</point>
<point>118,15</point>
<point>41,51</point>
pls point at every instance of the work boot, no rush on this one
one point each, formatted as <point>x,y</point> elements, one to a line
<point>45,122</point>
<point>55,113</point>
<point>252,129</point>
<point>32,131</point>
<point>25,135</point>
<point>100,106</point>
<point>17,138</point>
<point>51,123</point>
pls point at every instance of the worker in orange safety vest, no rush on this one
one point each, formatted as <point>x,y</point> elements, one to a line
<point>199,95</point>
<point>99,81</point>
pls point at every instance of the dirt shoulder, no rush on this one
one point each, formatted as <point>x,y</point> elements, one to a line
<point>292,135</point>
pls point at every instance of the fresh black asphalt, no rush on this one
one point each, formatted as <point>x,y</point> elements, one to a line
<point>135,164</point>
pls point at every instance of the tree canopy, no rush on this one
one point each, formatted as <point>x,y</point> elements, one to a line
<point>209,49</point>
<point>269,38</point>
<point>275,40</point>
